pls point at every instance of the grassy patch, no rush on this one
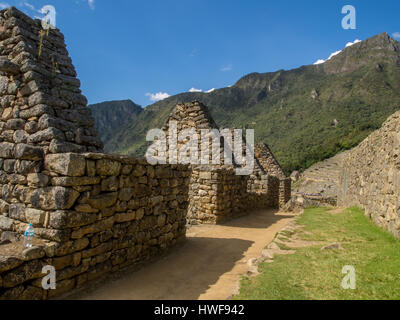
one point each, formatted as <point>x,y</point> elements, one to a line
<point>286,233</point>
<point>282,246</point>
<point>312,273</point>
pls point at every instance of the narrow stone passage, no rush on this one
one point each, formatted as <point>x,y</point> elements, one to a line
<point>207,266</point>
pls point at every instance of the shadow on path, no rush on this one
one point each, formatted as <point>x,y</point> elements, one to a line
<point>207,266</point>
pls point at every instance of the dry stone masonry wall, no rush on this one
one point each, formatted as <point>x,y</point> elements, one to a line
<point>96,214</point>
<point>267,161</point>
<point>42,108</point>
<point>216,192</point>
<point>370,177</point>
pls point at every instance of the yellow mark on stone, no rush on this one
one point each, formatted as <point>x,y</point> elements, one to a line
<point>41,35</point>
<point>55,67</point>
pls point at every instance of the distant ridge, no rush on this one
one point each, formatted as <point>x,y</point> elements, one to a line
<point>305,115</point>
<point>111,115</point>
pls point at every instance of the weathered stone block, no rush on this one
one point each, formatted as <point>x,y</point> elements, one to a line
<point>106,167</point>
<point>156,200</point>
<point>29,270</point>
<point>31,87</point>
<point>36,111</point>
<point>15,124</point>
<point>126,194</point>
<point>6,150</point>
<point>33,253</point>
<point>47,234</point>
<point>9,263</point>
<point>205,175</point>
<point>27,152</point>
<point>17,211</point>
<point>54,198</point>
<point>90,168</point>
<point>67,164</point>
<point>8,66</point>
<point>37,180</point>
<point>98,250</point>
<point>126,169</point>
<point>46,135</point>
<point>68,247</point>
<point>74,181</point>
<point>110,184</point>
<point>6,224</point>
<point>59,146</point>
<point>9,165</point>
<point>103,200</point>
<point>125,217</point>
<point>140,214</point>
<point>4,206</point>
<point>20,136</point>
<point>70,219</point>
<point>139,170</point>
<point>84,207</point>
<point>4,81</point>
<point>34,216</point>
<point>99,226</point>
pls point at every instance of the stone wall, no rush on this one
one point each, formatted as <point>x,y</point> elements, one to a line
<point>267,161</point>
<point>94,214</point>
<point>370,177</point>
<point>216,192</point>
<point>285,191</point>
<point>41,102</point>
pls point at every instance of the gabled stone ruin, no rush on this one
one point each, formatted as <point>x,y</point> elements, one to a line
<point>93,213</point>
<point>216,191</point>
<point>267,161</point>
<point>43,109</point>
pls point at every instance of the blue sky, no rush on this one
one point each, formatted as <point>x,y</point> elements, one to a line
<point>149,49</point>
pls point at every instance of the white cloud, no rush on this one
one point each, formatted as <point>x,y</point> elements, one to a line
<point>157,96</point>
<point>227,68</point>
<point>320,61</point>
<point>30,6</point>
<point>396,35</point>
<point>211,90</point>
<point>195,90</point>
<point>91,4</point>
<point>4,5</point>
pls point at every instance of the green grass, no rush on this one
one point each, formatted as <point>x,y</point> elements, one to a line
<point>312,273</point>
<point>282,246</point>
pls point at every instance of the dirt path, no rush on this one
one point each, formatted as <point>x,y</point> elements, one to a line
<point>207,266</point>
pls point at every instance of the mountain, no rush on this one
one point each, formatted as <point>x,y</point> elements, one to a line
<point>112,115</point>
<point>306,115</point>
